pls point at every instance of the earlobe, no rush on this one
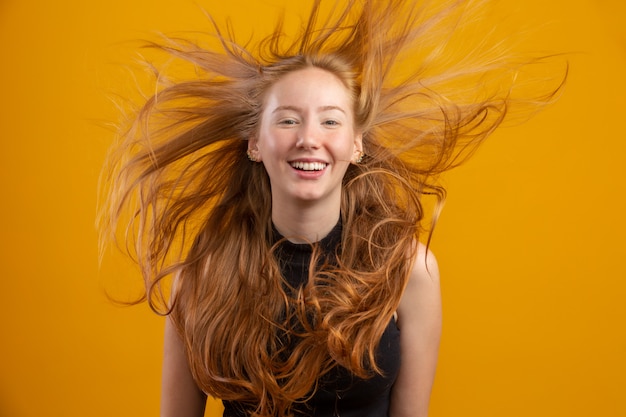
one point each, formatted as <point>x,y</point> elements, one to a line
<point>251,156</point>
<point>358,155</point>
<point>253,151</point>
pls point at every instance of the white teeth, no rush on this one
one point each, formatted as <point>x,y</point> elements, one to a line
<point>309,166</point>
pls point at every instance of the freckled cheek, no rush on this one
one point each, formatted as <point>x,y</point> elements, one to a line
<point>275,149</point>
<point>342,145</point>
<point>279,143</point>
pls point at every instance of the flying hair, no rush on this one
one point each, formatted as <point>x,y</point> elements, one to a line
<point>181,198</point>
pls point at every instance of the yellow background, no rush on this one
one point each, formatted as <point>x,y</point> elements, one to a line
<point>531,243</point>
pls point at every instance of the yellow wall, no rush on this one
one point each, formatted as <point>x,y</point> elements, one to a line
<point>531,243</point>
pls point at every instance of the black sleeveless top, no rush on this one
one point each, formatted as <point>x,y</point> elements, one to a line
<point>340,394</point>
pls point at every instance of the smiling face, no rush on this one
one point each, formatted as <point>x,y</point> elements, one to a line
<point>307,138</point>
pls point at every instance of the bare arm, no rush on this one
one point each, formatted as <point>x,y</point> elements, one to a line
<point>180,396</point>
<point>419,320</point>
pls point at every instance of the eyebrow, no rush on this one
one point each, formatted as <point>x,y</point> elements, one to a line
<point>298,109</point>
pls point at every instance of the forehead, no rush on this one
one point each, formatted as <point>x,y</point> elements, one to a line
<point>308,87</point>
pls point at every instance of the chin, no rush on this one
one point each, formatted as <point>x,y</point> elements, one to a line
<point>311,196</point>
<point>308,197</point>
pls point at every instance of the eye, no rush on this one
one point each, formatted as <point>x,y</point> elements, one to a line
<point>288,122</point>
<point>331,122</point>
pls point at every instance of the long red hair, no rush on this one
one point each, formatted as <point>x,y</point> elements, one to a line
<point>192,206</point>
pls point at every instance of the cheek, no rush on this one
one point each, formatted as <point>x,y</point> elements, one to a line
<point>273,148</point>
<point>343,144</point>
<point>272,145</point>
<point>266,140</point>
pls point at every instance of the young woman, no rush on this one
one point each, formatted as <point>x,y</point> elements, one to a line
<point>282,192</point>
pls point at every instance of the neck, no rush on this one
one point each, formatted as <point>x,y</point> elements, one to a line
<point>305,224</point>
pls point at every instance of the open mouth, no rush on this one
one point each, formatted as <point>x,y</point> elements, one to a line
<point>308,166</point>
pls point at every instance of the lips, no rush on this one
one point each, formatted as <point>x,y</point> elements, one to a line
<point>308,166</point>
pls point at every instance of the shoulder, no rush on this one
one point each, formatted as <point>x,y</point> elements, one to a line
<point>425,264</point>
<point>419,321</point>
<point>422,291</point>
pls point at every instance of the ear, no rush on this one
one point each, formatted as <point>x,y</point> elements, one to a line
<point>357,155</point>
<point>253,149</point>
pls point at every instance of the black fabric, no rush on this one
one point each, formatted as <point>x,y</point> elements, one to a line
<point>340,394</point>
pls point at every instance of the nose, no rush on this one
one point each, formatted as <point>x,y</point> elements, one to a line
<point>308,136</point>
